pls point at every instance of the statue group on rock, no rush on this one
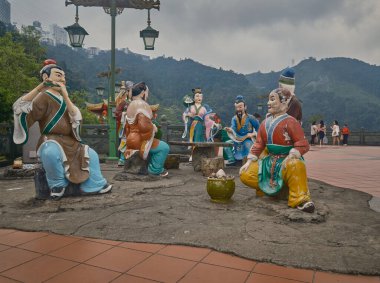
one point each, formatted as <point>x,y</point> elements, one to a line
<point>270,154</point>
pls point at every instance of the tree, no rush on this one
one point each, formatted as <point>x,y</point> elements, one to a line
<point>17,74</point>
<point>79,99</point>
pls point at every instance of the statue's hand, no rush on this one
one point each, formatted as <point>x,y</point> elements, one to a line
<point>293,154</point>
<point>228,129</point>
<point>245,166</point>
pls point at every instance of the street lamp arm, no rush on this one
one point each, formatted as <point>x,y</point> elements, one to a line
<point>136,4</point>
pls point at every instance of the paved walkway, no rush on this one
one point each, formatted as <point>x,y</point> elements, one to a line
<point>46,257</point>
<point>347,167</point>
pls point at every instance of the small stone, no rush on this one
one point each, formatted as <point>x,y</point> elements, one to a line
<point>220,174</point>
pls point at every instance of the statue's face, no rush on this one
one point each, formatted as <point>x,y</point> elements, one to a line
<point>198,97</point>
<point>275,106</point>
<point>57,75</point>
<point>240,107</point>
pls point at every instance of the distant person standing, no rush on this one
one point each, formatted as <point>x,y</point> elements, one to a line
<point>313,132</point>
<point>287,81</point>
<point>335,132</point>
<point>345,134</point>
<point>321,132</point>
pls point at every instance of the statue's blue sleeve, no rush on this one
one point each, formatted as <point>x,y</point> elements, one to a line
<point>233,124</point>
<point>254,122</point>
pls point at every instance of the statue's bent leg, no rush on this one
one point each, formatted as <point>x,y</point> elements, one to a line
<point>247,147</point>
<point>295,178</point>
<point>95,181</point>
<point>250,177</point>
<point>51,158</point>
<point>228,153</point>
<point>157,158</point>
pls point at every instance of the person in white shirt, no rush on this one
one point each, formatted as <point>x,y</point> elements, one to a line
<point>313,132</point>
<point>335,132</point>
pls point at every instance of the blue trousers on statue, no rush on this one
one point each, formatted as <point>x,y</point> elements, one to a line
<point>157,157</point>
<point>51,158</point>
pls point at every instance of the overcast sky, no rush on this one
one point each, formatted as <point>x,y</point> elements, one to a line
<point>241,35</point>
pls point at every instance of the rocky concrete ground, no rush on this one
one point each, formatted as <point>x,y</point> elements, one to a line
<point>341,236</point>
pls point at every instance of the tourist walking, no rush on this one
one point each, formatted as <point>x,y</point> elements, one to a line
<point>313,132</point>
<point>335,132</point>
<point>321,132</point>
<point>345,134</point>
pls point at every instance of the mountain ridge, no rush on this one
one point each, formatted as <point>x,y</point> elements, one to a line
<point>339,88</point>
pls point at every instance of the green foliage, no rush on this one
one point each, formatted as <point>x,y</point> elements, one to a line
<point>17,73</point>
<point>79,98</point>
<point>88,117</point>
<point>29,38</point>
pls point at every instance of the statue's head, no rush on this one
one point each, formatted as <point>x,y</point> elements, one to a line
<point>278,101</point>
<point>197,95</point>
<point>140,90</point>
<point>52,71</point>
<point>240,106</point>
<point>287,80</point>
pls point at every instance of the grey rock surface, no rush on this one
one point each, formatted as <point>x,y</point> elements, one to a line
<point>341,236</point>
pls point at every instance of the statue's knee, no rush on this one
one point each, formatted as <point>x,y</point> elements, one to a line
<point>295,164</point>
<point>248,179</point>
<point>166,147</point>
<point>50,151</point>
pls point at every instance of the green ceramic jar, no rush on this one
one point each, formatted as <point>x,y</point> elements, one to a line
<point>220,190</point>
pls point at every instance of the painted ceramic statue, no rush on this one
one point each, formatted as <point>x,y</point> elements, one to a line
<point>287,81</point>
<point>275,159</point>
<point>63,155</point>
<point>242,131</point>
<point>198,118</point>
<point>140,132</point>
<point>122,101</point>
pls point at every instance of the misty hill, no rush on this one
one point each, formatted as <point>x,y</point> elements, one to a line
<point>169,80</point>
<point>344,89</point>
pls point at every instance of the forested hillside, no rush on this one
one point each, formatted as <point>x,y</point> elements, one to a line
<point>342,89</point>
<point>169,80</point>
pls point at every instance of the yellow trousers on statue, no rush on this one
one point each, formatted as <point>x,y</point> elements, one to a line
<point>294,176</point>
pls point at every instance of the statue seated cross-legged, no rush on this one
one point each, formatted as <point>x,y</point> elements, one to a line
<point>275,159</point>
<point>64,157</point>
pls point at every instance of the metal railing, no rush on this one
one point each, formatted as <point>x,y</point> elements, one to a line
<point>96,136</point>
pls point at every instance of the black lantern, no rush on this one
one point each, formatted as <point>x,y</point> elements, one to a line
<point>76,32</point>
<point>149,35</point>
<point>117,87</point>
<point>100,91</point>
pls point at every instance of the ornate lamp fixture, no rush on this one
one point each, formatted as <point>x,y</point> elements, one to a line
<point>149,35</point>
<point>76,32</point>
<point>100,91</point>
<point>117,87</point>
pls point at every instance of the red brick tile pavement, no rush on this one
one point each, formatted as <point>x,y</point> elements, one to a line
<point>353,167</point>
<point>28,259</point>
